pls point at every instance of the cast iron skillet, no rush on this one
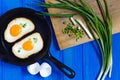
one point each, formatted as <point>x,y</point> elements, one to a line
<point>42,27</point>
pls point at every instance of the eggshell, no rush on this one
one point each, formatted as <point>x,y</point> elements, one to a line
<point>45,70</point>
<point>33,69</point>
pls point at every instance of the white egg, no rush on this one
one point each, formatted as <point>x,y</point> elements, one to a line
<point>33,68</point>
<point>17,28</point>
<point>28,46</point>
<point>45,70</point>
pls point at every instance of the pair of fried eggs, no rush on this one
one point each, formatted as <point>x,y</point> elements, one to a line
<point>30,45</point>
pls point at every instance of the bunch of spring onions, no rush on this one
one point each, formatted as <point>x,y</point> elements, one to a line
<point>99,28</point>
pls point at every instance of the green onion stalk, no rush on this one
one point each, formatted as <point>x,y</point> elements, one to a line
<point>99,28</point>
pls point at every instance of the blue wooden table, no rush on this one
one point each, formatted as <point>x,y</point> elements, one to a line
<point>83,59</point>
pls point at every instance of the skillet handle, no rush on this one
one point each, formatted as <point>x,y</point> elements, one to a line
<point>65,69</point>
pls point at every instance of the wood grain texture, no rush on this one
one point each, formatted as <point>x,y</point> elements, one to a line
<point>64,41</point>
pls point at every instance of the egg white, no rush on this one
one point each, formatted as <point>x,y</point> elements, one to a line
<point>25,54</point>
<point>28,28</point>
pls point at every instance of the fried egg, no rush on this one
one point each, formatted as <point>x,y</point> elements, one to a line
<point>17,28</point>
<point>28,46</point>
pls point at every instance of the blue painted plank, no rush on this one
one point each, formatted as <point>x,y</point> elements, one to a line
<point>116,57</point>
<point>10,71</point>
<point>8,5</point>
<point>0,7</point>
<point>90,61</point>
<point>54,49</point>
<point>73,58</point>
<point>1,70</point>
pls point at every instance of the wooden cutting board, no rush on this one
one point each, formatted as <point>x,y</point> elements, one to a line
<point>64,41</point>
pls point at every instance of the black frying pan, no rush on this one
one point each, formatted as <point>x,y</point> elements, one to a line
<point>42,27</point>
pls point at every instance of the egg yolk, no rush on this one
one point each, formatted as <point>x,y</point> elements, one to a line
<point>15,30</point>
<point>28,45</point>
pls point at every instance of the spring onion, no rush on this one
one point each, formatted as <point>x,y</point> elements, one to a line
<point>99,28</point>
<point>56,15</point>
<point>84,27</point>
<point>73,21</point>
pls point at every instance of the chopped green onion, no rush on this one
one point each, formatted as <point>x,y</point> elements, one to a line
<point>23,25</point>
<point>29,38</point>
<point>35,40</point>
<point>19,50</point>
<point>70,30</point>
<point>64,22</point>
